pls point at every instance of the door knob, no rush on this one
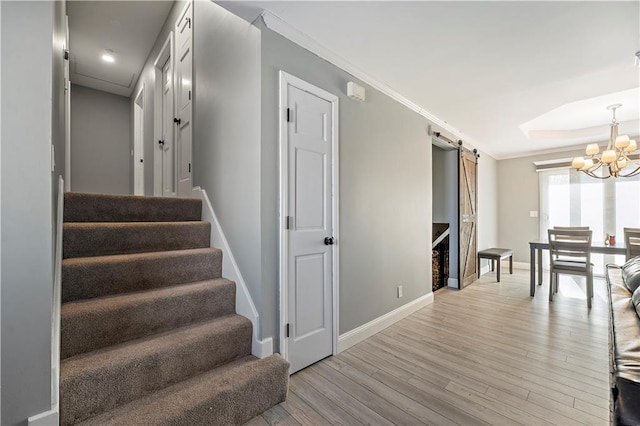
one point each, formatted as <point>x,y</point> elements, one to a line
<point>161,142</point>
<point>328,241</point>
<point>177,121</point>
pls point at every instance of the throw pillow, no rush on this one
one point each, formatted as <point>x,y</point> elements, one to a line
<point>631,274</point>
<point>636,301</point>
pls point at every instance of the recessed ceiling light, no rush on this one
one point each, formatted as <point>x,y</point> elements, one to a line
<point>107,56</point>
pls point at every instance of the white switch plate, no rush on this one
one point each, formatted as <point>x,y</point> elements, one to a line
<point>533,213</point>
<point>399,291</point>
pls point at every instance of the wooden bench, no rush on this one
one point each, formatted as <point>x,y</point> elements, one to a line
<point>496,254</point>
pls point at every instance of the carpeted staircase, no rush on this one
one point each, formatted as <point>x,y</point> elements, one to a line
<point>149,333</point>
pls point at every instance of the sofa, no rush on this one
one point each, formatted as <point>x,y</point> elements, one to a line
<point>624,341</point>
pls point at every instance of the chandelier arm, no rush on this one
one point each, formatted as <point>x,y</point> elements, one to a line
<point>590,174</point>
<point>633,173</point>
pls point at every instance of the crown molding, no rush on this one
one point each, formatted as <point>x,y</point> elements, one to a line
<point>278,25</point>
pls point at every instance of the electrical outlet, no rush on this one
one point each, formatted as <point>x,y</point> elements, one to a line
<point>399,291</point>
<point>533,213</point>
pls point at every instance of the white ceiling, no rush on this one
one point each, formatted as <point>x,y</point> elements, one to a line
<point>128,28</point>
<point>489,67</point>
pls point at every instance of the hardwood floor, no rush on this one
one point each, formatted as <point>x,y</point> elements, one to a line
<point>488,354</point>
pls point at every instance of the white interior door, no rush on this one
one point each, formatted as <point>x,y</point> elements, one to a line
<point>309,138</point>
<point>138,138</point>
<point>67,112</point>
<point>184,79</point>
<point>168,128</point>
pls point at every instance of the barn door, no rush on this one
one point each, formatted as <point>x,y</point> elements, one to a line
<point>468,198</point>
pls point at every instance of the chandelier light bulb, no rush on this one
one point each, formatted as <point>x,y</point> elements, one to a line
<point>609,156</point>
<point>588,163</point>
<point>577,163</point>
<point>622,141</point>
<point>593,149</point>
<point>622,163</point>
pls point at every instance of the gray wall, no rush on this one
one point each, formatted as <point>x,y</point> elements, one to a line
<point>100,141</point>
<point>519,194</point>
<point>29,93</point>
<point>385,190</point>
<point>147,80</point>
<point>445,199</point>
<point>226,142</point>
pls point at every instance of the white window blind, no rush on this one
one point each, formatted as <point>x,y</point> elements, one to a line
<point>571,198</point>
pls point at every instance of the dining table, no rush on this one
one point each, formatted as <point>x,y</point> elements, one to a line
<point>536,247</point>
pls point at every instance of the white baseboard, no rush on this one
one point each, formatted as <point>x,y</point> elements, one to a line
<point>262,348</point>
<point>516,265</point>
<point>521,265</point>
<point>367,330</point>
<point>48,418</point>
<point>452,282</point>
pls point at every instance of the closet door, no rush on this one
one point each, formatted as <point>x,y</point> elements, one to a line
<point>468,236</point>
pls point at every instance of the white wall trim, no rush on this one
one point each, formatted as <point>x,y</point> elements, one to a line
<point>367,330</point>
<point>48,418</point>
<point>57,302</point>
<point>230,270</point>
<point>277,24</point>
<point>521,265</point>
<point>283,143</point>
<point>452,282</point>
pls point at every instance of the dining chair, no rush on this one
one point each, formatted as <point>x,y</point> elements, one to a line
<point>570,254</point>
<point>570,228</point>
<point>632,242</point>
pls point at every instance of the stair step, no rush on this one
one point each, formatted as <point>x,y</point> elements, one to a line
<point>231,394</point>
<point>88,325</point>
<point>82,239</point>
<point>117,375</point>
<point>81,207</point>
<point>89,277</point>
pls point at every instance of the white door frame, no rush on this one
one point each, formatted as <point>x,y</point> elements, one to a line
<point>165,53</point>
<point>286,80</point>
<point>138,141</point>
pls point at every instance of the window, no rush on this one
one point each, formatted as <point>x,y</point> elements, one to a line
<point>571,198</point>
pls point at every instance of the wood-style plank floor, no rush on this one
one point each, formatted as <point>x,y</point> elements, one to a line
<point>488,354</point>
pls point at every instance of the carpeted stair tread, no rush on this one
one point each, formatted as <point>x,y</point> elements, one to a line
<point>117,375</point>
<point>81,207</point>
<point>81,239</point>
<point>89,277</point>
<point>92,324</point>
<point>231,394</point>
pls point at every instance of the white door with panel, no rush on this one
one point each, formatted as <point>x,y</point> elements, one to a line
<point>168,127</point>
<point>310,222</point>
<point>184,80</point>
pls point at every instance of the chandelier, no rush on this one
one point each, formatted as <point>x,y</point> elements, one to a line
<point>613,159</point>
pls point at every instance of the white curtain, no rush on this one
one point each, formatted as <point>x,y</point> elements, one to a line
<point>571,198</point>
